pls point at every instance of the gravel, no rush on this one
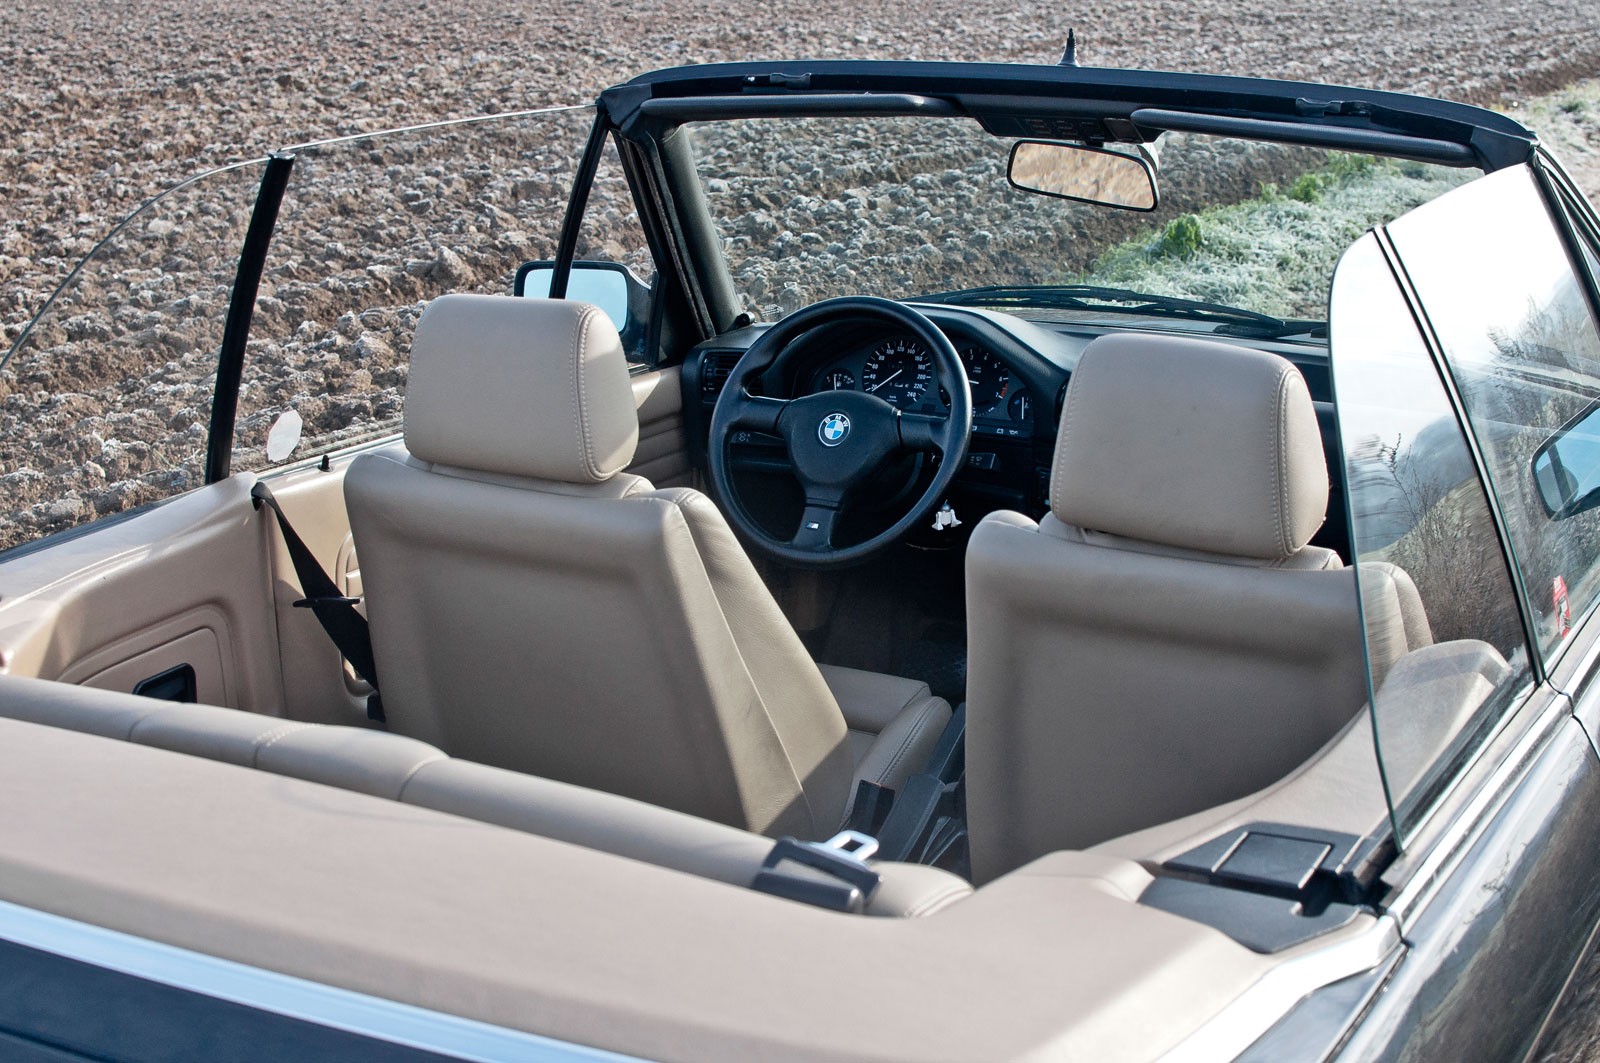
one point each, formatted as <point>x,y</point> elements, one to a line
<point>109,102</point>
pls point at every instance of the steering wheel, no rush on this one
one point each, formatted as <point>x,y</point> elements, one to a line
<point>837,440</point>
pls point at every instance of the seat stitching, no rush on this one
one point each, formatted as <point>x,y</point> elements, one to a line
<point>141,721</point>
<point>271,737</point>
<point>951,892</point>
<point>1060,462</point>
<point>400,794</point>
<point>1281,516</point>
<point>579,336</point>
<point>911,736</point>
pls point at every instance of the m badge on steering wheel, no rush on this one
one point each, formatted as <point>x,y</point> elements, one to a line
<point>833,429</point>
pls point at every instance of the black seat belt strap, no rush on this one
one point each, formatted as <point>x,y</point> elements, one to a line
<point>334,611</point>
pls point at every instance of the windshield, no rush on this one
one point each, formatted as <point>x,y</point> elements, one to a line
<point>814,208</point>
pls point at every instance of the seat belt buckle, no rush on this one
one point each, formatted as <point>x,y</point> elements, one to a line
<point>833,874</point>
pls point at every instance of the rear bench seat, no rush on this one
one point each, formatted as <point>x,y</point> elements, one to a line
<point>403,769</point>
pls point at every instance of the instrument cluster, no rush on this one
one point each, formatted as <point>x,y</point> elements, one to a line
<point>899,369</point>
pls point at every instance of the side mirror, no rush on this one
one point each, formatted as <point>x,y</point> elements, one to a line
<point>1566,467</point>
<point>609,285</point>
<point>1085,174</point>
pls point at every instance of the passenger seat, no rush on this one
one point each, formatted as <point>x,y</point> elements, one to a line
<point>1164,640</point>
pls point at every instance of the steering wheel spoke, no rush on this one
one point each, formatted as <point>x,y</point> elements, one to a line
<point>816,527</point>
<point>756,413</point>
<point>922,432</point>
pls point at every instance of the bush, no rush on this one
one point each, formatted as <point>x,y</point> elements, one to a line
<point>1181,238</point>
<point>1342,165</point>
<point>1307,188</point>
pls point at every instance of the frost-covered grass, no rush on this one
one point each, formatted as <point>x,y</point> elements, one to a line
<point>1568,123</point>
<point>1276,252</point>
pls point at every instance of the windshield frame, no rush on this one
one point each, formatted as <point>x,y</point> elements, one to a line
<point>1093,106</point>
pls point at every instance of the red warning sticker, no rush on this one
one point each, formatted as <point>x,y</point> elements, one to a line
<point>1563,610</point>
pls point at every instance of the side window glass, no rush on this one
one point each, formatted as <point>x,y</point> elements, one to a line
<point>370,230</point>
<point>105,400</point>
<point>1445,640</point>
<point>1517,330</point>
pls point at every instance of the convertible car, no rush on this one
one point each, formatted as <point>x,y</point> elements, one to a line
<point>826,560</point>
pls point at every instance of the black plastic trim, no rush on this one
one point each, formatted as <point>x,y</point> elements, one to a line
<point>577,201</point>
<point>65,1008</point>
<point>795,105</point>
<point>177,683</point>
<point>1340,861</point>
<point>983,88</point>
<point>1399,146</point>
<point>241,310</point>
<point>1258,921</point>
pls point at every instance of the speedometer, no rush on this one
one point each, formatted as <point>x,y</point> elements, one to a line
<point>898,371</point>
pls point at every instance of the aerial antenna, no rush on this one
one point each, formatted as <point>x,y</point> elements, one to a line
<point>1070,56</point>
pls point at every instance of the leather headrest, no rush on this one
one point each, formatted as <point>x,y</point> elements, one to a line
<point>525,387</point>
<point>1190,443</point>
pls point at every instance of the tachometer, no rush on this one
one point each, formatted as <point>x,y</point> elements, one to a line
<point>987,376</point>
<point>898,371</point>
<point>837,380</point>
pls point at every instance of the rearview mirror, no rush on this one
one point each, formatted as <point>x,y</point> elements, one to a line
<point>608,285</point>
<point>1566,467</point>
<point>1084,174</point>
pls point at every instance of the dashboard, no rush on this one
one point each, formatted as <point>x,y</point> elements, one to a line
<point>1015,371</point>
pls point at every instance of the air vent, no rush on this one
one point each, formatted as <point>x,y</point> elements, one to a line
<point>714,369</point>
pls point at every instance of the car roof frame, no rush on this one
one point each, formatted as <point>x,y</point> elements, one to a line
<point>1083,103</point>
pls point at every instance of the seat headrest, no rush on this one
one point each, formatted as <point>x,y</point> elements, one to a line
<point>1190,443</point>
<point>525,387</point>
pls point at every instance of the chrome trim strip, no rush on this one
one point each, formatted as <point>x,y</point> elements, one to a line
<point>1242,1022</point>
<point>296,998</point>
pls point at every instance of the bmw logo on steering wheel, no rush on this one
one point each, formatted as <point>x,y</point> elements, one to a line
<point>833,429</point>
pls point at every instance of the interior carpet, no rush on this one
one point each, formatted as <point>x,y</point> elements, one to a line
<point>938,657</point>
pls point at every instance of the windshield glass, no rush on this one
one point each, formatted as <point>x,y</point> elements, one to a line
<point>809,209</point>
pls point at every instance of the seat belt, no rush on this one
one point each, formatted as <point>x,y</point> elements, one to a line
<point>334,611</point>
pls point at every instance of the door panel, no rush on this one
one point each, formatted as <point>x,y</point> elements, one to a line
<point>1488,957</point>
<point>200,649</point>
<point>182,583</point>
<point>663,453</point>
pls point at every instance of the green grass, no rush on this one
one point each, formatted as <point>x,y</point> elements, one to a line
<point>1275,252</point>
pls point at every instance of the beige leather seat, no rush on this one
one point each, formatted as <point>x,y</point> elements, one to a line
<point>1164,640</point>
<point>536,608</point>
<point>414,773</point>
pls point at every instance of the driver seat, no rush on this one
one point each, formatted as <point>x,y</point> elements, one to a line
<point>534,607</point>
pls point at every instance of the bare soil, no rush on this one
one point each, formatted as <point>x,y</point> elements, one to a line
<point>111,101</point>
<point>107,101</point>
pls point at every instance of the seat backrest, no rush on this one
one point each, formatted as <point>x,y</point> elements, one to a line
<point>535,608</point>
<point>403,769</point>
<point>1164,640</point>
